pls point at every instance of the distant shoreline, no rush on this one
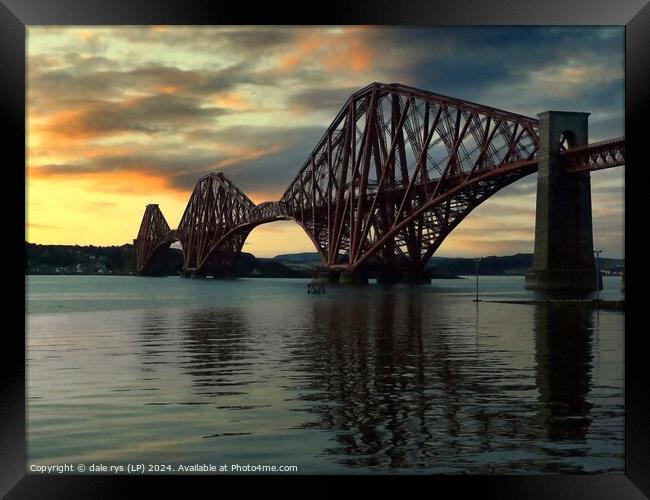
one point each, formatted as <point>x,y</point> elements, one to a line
<point>450,277</point>
<point>75,260</point>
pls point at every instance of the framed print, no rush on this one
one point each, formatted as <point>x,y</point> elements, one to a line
<point>373,241</point>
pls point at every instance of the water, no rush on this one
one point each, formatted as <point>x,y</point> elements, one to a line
<point>360,380</point>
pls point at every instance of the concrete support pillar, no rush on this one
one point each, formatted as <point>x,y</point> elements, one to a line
<point>388,276</point>
<point>409,277</point>
<point>356,277</point>
<point>415,278</point>
<point>564,257</point>
<point>329,276</point>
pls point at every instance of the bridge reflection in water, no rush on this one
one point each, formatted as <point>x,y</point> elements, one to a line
<point>399,398</point>
<point>402,382</point>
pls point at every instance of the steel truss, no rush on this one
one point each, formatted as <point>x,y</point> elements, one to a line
<point>215,207</point>
<point>153,240</point>
<point>396,171</point>
<point>595,156</point>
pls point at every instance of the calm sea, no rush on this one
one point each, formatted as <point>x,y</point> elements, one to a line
<point>362,379</point>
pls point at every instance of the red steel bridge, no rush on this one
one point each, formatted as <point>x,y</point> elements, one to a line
<point>396,171</point>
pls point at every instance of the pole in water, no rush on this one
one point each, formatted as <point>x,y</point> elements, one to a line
<point>477,260</point>
<point>598,252</point>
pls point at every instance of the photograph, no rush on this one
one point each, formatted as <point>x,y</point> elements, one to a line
<point>325,250</point>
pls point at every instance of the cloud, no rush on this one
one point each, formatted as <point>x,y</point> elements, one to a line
<point>164,165</point>
<point>51,88</point>
<point>320,98</point>
<point>523,69</point>
<point>341,49</point>
<point>271,172</point>
<point>155,114</point>
<point>238,40</point>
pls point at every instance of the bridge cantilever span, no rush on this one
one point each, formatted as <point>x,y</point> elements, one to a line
<point>153,240</point>
<point>215,207</point>
<point>378,189</point>
<point>395,172</point>
<point>269,211</point>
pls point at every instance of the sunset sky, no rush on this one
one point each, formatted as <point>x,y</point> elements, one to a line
<point>119,117</point>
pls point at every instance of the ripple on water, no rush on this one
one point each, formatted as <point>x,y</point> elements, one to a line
<point>365,380</point>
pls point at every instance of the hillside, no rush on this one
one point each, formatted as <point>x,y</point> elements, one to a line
<point>114,260</point>
<point>516,264</point>
<point>120,260</point>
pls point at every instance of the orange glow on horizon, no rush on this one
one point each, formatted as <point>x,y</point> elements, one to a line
<point>118,181</point>
<point>232,100</point>
<point>168,89</point>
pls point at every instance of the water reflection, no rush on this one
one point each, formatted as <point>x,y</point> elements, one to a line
<point>210,346</point>
<point>370,378</point>
<point>398,386</point>
<point>216,344</point>
<point>356,380</point>
<point>152,339</point>
<point>563,336</point>
<point>371,389</point>
<point>400,381</point>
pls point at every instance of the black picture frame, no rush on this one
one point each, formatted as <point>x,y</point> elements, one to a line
<point>15,15</point>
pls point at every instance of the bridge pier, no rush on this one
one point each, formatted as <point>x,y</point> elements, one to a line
<point>191,274</point>
<point>329,275</point>
<point>220,274</point>
<point>408,277</point>
<point>415,278</point>
<point>356,277</point>
<point>564,257</point>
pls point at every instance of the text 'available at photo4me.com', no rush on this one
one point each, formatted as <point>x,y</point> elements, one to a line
<point>128,468</point>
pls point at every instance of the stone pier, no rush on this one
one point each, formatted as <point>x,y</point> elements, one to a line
<point>408,277</point>
<point>356,277</point>
<point>564,257</point>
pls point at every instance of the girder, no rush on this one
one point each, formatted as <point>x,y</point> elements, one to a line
<point>595,156</point>
<point>215,207</point>
<point>390,152</point>
<point>154,237</point>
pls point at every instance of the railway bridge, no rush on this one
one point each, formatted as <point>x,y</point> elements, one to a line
<point>395,172</point>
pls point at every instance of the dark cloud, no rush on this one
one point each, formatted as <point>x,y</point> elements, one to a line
<point>240,40</point>
<point>263,135</point>
<point>476,63</point>
<point>167,165</point>
<point>321,98</point>
<point>270,172</point>
<point>607,128</point>
<point>150,114</point>
<point>154,114</point>
<point>64,87</point>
